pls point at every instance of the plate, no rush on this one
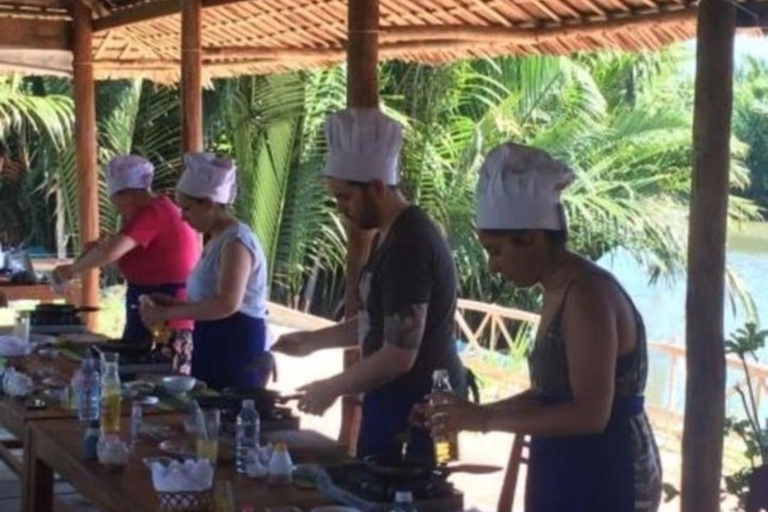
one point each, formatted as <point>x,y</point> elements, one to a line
<point>147,400</point>
<point>178,447</point>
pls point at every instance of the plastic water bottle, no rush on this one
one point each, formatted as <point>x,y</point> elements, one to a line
<point>248,426</point>
<point>87,387</point>
<point>404,502</point>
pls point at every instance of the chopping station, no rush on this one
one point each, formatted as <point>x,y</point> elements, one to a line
<point>46,424</point>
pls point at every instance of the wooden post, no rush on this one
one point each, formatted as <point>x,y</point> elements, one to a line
<point>85,145</point>
<point>705,387</point>
<point>191,75</point>
<point>362,91</point>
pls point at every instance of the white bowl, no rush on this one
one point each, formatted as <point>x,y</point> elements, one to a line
<point>178,384</point>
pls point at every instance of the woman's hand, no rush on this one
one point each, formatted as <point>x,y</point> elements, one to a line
<point>296,344</point>
<point>152,314</point>
<point>420,415</point>
<point>450,414</point>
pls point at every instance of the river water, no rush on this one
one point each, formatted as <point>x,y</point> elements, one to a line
<point>662,305</point>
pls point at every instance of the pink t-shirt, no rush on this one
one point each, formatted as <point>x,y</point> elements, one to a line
<point>168,248</point>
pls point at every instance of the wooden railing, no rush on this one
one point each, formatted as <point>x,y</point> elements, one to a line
<point>501,329</point>
<point>496,328</point>
<point>486,325</point>
<point>676,355</point>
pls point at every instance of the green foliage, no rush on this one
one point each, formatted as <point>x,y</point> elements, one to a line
<point>750,123</point>
<point>745,343</point>
<point>621,121</point>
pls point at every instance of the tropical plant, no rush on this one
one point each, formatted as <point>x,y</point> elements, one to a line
<point>750,123</point>
<point>273,129</point>
<point>745,343</point>
<point>36,123</point>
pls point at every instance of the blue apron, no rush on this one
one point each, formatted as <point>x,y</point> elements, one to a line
<point>134,328</point>
<point>224,349</point>
<point>385,414</point>
<point>590,473</point>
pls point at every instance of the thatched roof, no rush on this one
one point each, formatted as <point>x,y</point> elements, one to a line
<point>142,38</point>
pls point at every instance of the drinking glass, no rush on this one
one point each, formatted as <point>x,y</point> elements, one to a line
<point>207,431</point>
<point>223,497</point>
<point>22,326</point>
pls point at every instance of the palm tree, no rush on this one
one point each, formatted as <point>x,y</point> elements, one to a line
<point>36,120</point>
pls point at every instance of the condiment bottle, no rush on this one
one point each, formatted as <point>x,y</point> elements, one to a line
<point>280,466</point>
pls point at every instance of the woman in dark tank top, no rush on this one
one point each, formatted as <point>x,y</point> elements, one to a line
<point>592,448</point>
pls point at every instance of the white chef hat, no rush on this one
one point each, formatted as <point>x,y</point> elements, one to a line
<point>363,145</point>
<point>519,188</point>
<point>129,172</point>
<point>207,176</point>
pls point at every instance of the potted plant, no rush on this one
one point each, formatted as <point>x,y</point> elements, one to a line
<point>751,483</point>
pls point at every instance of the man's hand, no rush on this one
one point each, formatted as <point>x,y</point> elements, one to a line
<point>297,344</point>
<point>318,397</point>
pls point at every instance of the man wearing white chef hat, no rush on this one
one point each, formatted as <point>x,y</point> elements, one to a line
<point>407,291</point>
<point>591,444</point>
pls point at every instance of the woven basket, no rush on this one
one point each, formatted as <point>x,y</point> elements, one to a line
<point>184,501</point>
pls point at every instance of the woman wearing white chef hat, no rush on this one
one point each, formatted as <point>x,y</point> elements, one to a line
<point>592,449</point>
<point>155,250</point>
<point>227,291</point>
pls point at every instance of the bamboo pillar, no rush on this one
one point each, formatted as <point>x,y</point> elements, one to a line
<point>191,75</point>
<point>705,388</point>
<point>85,145</point>
<point>362,91</point>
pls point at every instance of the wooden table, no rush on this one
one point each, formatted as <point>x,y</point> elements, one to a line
<point>16,417</point>
<point>55,446</point>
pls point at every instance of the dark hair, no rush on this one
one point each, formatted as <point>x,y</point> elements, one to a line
<point>3,151</point>
<point>556,238</point>
<point>366,184</point>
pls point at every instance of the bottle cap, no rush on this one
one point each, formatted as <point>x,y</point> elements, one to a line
<point>249,404</point>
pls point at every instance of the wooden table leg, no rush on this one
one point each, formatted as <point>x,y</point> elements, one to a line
<point>36,481</point>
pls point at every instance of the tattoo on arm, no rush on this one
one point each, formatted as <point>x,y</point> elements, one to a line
<point>405,329</point>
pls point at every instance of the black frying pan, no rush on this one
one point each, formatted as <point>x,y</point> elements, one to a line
<point>394,467</point>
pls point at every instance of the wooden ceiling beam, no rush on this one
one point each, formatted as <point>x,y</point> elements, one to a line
<point>41,4</point>
<point>148,11</point>
<point>34,34</point>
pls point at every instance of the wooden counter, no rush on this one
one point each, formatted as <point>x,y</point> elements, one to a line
<point>55,446</point>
